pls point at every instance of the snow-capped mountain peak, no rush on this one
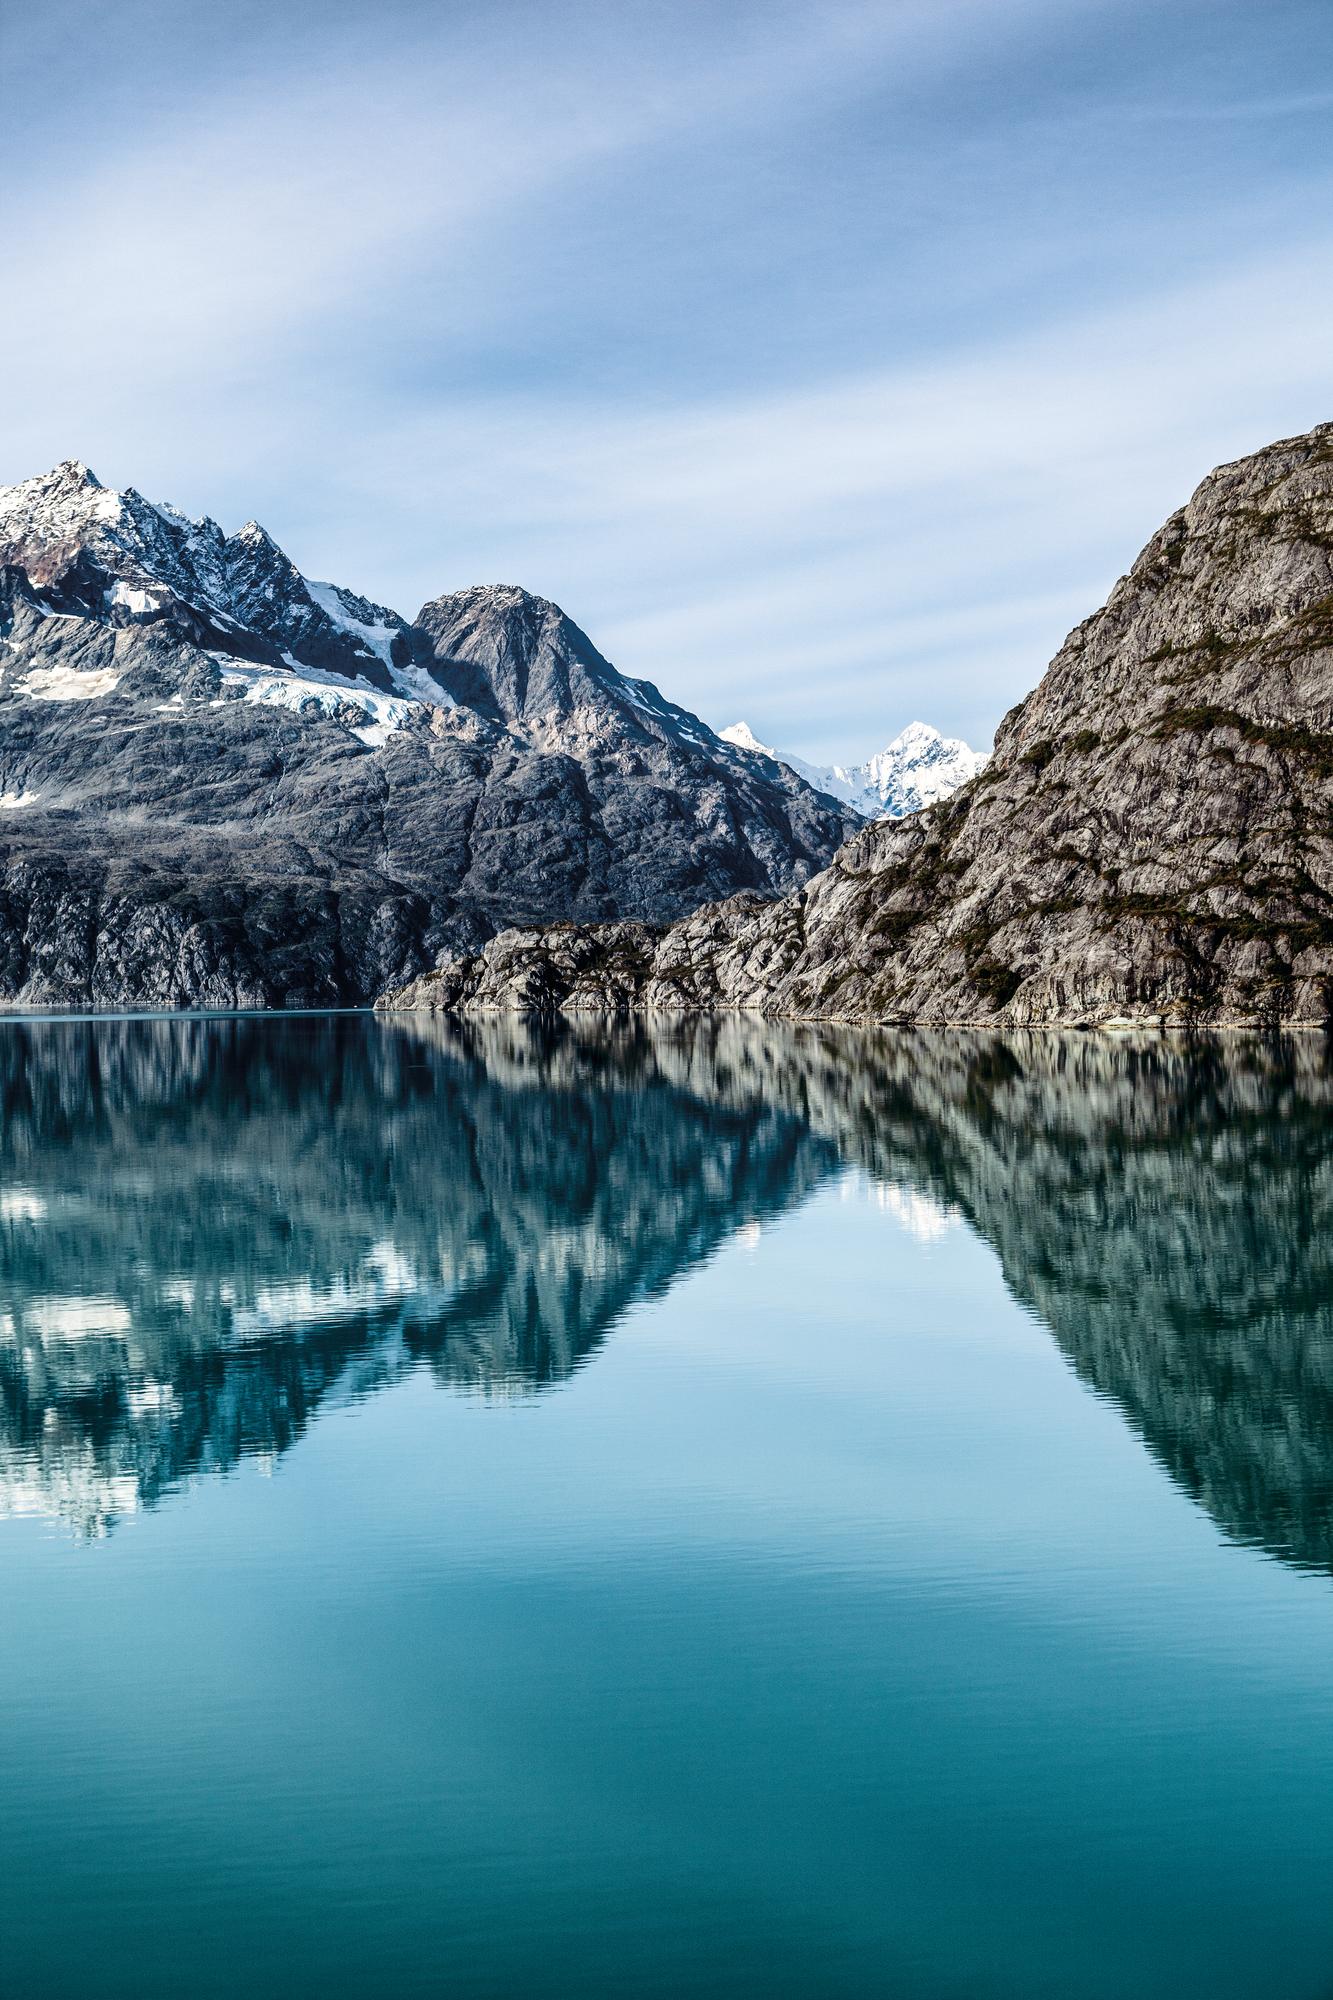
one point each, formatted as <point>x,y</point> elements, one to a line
<point>917,740</point>
<point>224,783</point>
<point>58,502</point>
<point>253,533</point>
<point>919,768</point>
<point>140,562</point>
<point>744,738</point>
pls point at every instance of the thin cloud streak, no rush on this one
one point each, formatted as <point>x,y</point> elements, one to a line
<point>856,515</point>
<point>818,359</point>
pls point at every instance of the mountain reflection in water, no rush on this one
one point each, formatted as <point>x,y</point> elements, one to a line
<point>209,1229</point>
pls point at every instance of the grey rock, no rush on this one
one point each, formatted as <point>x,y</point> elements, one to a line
<point>224,785</point>
<point>1152,841</point>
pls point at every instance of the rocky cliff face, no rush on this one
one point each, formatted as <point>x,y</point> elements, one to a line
<point>223,784</point>
<point>1151,842</point>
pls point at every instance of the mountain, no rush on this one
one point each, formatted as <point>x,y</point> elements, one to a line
<point>118,559</point>
<point>918,769</point>
<point>225,784</point>
<point>1152,840</point>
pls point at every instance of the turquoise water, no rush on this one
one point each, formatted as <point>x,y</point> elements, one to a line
<point>675,1511</point>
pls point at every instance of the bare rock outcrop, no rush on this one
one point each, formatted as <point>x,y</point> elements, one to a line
<point>1151,842</point>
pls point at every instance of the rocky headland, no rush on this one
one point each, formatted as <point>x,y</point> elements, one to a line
<point>1151,842</point>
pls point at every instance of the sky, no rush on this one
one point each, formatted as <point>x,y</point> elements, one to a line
<point>826,362</point>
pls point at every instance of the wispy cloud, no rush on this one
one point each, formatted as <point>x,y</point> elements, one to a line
<point>826,361</point>
<point>915,538</point>
<point>1296,105</point>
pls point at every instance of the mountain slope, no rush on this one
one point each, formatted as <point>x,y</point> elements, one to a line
<point>1152,840</point>
<point>918,769</point>
<point>224,784</point>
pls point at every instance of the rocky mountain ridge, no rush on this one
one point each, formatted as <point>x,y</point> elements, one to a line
<point>223,784</point>
<point>918,769</point>
<point>1151,842</point>
<point>125,560</point>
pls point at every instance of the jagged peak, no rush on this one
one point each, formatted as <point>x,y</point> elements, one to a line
<point>70,472</point>
<point>244,582</point>
<point>71,495</point>
<point>256,536</point>
<point>742,737</point>
<point>70,499</point>
<point>500,597</point>
<point>916,732</point>
<point>69,478</point>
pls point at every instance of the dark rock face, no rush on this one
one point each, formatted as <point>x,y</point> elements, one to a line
<point>224,785</point>
<point>1151,842</point>
<point>517,658</point>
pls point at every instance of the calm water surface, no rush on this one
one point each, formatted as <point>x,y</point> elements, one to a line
<point>678,1511</point>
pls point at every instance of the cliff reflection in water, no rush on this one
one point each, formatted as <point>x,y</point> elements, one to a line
<point>208,1229</point>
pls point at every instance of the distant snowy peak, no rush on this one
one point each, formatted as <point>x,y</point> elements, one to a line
<point>828,778</point>
<point>131,561</point>
<point>919,768</point>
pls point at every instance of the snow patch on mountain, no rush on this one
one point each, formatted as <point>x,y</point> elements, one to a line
<point>139,603</point>
<point>419,686</point>
<point>304,688</point>
<point>68,684</point>
<point>918,769</point>
<point>335,604</point>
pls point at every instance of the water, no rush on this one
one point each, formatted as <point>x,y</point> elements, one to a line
<point>677,1511</point>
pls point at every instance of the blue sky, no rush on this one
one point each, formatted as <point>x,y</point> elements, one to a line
<point>826,362</point>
